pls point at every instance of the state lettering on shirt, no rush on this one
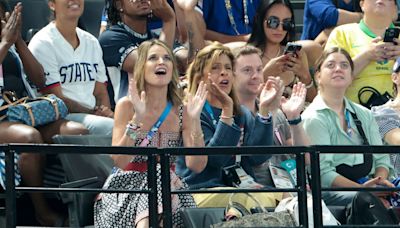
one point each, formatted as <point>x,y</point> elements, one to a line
<point>78,72</point>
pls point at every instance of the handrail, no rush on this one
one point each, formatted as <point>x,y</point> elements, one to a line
<point>164,155</point>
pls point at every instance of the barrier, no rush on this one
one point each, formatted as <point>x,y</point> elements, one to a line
<point>164,154</point>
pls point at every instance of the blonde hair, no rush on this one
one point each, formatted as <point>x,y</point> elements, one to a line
<point>174,92</point>
<point>203,61</point>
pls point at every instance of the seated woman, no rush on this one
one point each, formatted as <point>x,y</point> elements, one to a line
<point>226,123</point>
<point>272,30</point>
<point>373,59</point>
<point>16,59</point>
<point>74,68</point>
<point>152,115</point>
<point>331,120</point>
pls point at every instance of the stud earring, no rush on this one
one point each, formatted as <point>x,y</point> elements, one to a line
<point>121,10</point>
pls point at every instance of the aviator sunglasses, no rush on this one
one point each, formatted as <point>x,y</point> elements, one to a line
<point>274,22</point>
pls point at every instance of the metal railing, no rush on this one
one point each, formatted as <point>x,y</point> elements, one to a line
<point>164,155</point>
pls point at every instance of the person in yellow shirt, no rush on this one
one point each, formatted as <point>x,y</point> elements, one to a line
<point>373,58</point>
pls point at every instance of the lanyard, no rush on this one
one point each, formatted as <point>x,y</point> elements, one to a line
<point>347,119</point>
<point>157,125</point>
<point>1,77</point>
<point>207,106</point>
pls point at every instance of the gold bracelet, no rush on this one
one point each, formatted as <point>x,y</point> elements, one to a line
<point>226,117</point>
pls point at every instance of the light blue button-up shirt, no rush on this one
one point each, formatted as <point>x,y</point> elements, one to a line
<point>323,126</point>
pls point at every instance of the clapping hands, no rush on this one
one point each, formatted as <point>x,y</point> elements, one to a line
<point>11,26</point>
<point>270,95</point>
<point>139,102</point>
<point>294,106</point>
<point>196,102</point>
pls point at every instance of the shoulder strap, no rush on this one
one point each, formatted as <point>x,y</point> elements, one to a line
<point>360,128</point>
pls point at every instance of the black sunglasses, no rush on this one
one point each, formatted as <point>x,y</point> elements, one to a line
<point>274,22</point>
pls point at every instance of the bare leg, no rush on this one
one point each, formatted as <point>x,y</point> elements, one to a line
<point>31,164</point>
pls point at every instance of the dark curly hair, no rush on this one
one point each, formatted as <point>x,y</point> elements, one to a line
<point>257,37</point>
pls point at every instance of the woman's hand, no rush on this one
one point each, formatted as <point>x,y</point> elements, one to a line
<point>295,105</point>
<point>11,26</point>
<point>103,110</point>
<point>139,103</point>
<point>270,95</point>
<point>195,103</point>
<point>379,182</point>
<point>224,98</point>
<point>275,66</point>
<point>298,64</point>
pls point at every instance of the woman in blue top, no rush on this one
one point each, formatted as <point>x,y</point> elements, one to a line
<point>226,123</point>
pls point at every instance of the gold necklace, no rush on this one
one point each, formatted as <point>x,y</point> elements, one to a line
<point>277,54</point>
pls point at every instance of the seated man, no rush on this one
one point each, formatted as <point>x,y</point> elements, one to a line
<point>249,76</point>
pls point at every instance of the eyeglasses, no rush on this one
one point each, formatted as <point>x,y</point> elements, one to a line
<point>274,22</point>
<point>332,65</point>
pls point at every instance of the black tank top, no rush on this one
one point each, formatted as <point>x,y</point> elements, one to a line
<point>12,75</point>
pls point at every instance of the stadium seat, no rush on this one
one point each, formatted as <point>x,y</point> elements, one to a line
<point>35,15</point>
<point>91,18</point>
<point>83,170</point>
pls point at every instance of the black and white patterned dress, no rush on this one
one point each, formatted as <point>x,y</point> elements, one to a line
<point>127,209</point>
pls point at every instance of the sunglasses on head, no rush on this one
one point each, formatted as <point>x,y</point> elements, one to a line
<point>274,22</point>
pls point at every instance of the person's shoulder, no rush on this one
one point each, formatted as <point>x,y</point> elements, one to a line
<point>351,27</point>
<point>46,33</point>
<point>86,35</point>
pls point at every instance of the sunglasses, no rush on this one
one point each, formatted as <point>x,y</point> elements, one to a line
<point>274,22</point>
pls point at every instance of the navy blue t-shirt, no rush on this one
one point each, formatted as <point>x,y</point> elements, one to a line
<point>117,43</point>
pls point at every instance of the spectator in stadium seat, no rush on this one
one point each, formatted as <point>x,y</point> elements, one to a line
<point>74,68</point>
<point>17,60</point>
<point>373,58</point>
<point>272,30</point>
<point>321,16</point>
<point>288,131</point>
<point>388,117</point>
<point>128,29</point>
<point>228,20</point>
<point>226,123</point>
<point>331,120</point>
<point>152,90</point>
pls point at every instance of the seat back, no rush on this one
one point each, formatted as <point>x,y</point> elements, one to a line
<point>91,18</point>
<point>78,167</point>
<point>35,15</point>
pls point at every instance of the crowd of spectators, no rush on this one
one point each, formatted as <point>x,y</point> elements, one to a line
<point>203,73</point>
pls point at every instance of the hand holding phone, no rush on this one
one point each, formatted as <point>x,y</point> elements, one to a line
<point>390,34</point>
<point>292,48</point>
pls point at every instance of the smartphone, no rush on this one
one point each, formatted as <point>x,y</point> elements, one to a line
<point>390,34</point>
<point>292,48</point>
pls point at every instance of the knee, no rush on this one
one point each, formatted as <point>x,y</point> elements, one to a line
<point>73,128</point>
<point>28,135</point>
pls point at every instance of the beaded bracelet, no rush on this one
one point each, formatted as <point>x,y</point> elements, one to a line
<point>294,121</point>
<point>265,118</point>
